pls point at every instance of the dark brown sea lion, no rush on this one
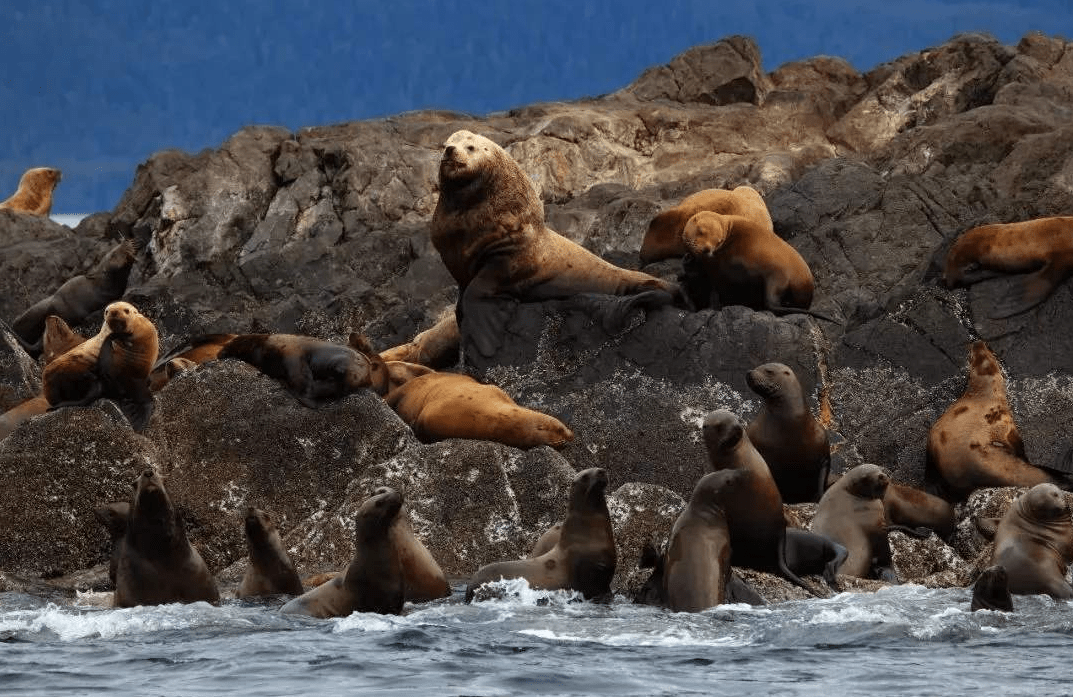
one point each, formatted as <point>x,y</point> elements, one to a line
<point>851,513</point>
<point>113,517</point>
<point>1041,250</point>
<point>270,571</point>
<point>450,405</point>
<point>316,372</point>
<point>58,339</point>
<point>992,590</point>
<point>664,236</point>
<point>583,559</point>
<point>436,347</point>
<point>79,297</point>
<point>1034,543</point>
<point>791,441</point>
<point>423,576</point>
<point>756,519</point>
<point>489,229</point>
<point>157,564</point>
<point>975,443</point>
<point>913,508</point>
<point>34,194</point>
<point>114,364</point>
<point>374,581</point>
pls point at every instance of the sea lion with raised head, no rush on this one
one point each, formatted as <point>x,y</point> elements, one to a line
<point>374,580</point>
<point>34,195</point>
<point>270,571</point>
<point>1034,543</point>
<point>424,579</point>
<point>664,236</point>
<point>157,564</point>
<point>975,443</point>
<point>488,228</point>
<point>584,557</point>
<point>58,338</point>
<point>786,434</point>
<point>992,590</point>
<point>851,513</point>
<point>1040,251</point>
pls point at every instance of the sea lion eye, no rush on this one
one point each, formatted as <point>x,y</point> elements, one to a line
<point>470,148</point>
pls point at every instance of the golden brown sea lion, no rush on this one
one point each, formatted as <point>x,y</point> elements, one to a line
<point>545,542</point>
<point>79,297</point>
<point>157,564</point>
<point>424,579</point>
<point>316,372</point>
<point>399,373</point>
<point>34,194</point>
<point>583,559</point>
<point>21,413</point>
<point>270,571</point>
<point>851,513</point>
<point>114,364</point>
<point>58,339</point>
<point>992,590</point>
<point>975,443</point>
<point>113,517</point>
<point>913,508</point>
<point>1034,543</point>
<point>489,229</point>
<point>664,236</point>
<point>791,441</point>
<point>1041,250</point>
<point>436,347</point>
<point>162,375</point>
<point>450,405</point>
<point>374,580</point>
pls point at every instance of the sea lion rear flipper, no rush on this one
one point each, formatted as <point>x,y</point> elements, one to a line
<point>784,570</point>
<point>1022,294</point>
<point>738,590</point>
<point>616,316</point>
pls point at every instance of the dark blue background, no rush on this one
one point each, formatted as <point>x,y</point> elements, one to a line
<point>96,87</point>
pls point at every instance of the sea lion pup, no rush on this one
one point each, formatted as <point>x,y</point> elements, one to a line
<point>584,557</point>
<point>851,513</point>
<point>374,581</point>
<point>34,195</point>
<point>58,339</point>
<point>992,590</point>
<point>81,296</point>
<point>187,355</point>
<point>449,405</point>
<point>114,364</point>
<point>113,516</point>
<point>316,372</point>
<point>740,262</point>
<point>791,441</point>
<point>1034,543</point>
<point>157,564</point>
<point>1041,250</point>
<point>20,414</point>
<point>975,443</point>
<point>424,579</point>
<point>664,236</point>
<point>913,508</point>
<point>436,347</point>
<point>489,229</point>
<point>270,571</point>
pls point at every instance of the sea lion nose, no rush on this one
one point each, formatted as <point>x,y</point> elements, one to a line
<point>148,473</point>
<point>449,151</point>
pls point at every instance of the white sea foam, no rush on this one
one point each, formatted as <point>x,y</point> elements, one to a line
<point>70,623</point>
<point>674,636</point>
<point>366,622</point>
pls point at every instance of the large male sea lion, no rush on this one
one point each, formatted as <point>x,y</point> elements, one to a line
<point>1034,543</point>
<point>157,564</point>
<point>1041,250</point>
<point>450,405</point>
<point>975,443</point>
<point>489,229</point>
<point>791,441</point>
<point>851,513</point>
<point>34,194</point>
<point>664,236</point>
<point>584,557</point>
<point>436,347</point>
<point>422,575</point>
<point>270,571</point>
<point>374,580</point>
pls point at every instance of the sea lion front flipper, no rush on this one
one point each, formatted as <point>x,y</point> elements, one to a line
<point>738,590</point>
<point>1026,292</point>
<point>617,314</point>
<point>483,315</point>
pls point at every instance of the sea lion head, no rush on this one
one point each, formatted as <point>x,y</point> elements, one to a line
<point>1043,502</point>
<point>867,481</point>
<point>464,156</point>
<point>58,338</point>
<point>716,488</point>
<point>705,233</point>
<point>120,317</point>
<point>723,431</point>
<point>259,525</point>
<point>772,380</point>
<point>982,361</point>
<point>151,500</point>
<point>379,375</point>
<point>588,488</point>
<point>40,178</point>
<point>962,266</point>
<point>378,511</point>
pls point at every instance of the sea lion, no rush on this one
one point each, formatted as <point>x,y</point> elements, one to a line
<point>1034,543</point>
<point>436,347</point>
<point>161,376</point>
<point>316,372</point>
<point>113,517</point>
<point>1041,250</point>
<point>400,372</point>
<point>851,513</point>
<point>488,228</point>
<point>756,520</point>
<point>975,443</point>
<point>58,339</point>
<point>992,590</point>
<point>423,577</point>
<point>545,542</point>
<point>582,560</point>
<point>21,413</point>
<point>189,354</point>
<point>34,195</point>
<point>270,571</point>
<point>450,405</point>
<point>157,564</point>
<point>114,364</point>
<point>735,261</point>
<point>79,297</point>
<point>664,236</point>
<point>913,508</point>
<point>791,441</point>
<point>374,581</point>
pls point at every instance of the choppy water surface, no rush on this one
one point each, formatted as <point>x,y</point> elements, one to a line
<point>905,640</point>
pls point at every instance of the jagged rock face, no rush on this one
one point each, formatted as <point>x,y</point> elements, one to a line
<point>325,230</point>
<point>20,376</point>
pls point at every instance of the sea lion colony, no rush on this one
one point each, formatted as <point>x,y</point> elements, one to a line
<point>489,229</point>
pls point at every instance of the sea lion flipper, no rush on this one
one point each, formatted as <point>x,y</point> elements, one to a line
<point>738,590</point>
<point>1025,293</point>
<point>483,315</point>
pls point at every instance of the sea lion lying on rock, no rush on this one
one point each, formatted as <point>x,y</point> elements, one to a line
<point>34,194</point>
<point>664,236</point>
<point>1034,543</point>
<point>186,356</point>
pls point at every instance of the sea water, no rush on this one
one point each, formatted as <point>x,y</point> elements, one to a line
<point>906,640</point>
